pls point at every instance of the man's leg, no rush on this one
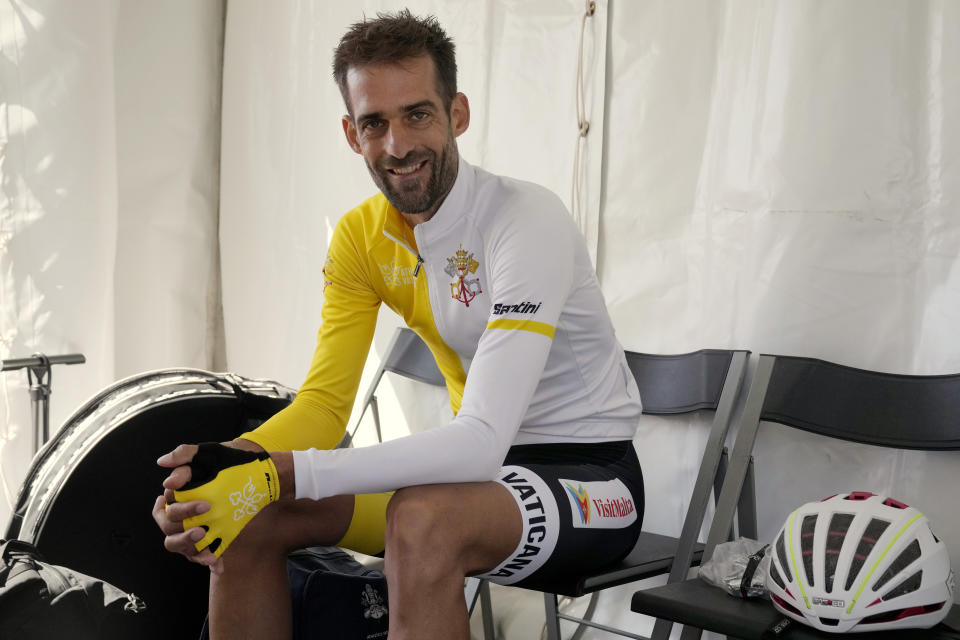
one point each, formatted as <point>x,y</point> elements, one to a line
<point>251,598</point>
<point>437,535</point>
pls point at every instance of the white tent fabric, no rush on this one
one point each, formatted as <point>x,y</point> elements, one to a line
<point>109,140</point>
<point>771,175</point>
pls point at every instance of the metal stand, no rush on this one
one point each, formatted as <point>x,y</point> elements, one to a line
<point>40,375</point>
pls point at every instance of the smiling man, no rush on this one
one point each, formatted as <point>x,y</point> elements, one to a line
<point>533,480</point>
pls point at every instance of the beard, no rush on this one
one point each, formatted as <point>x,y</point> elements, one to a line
<point>419,196</point>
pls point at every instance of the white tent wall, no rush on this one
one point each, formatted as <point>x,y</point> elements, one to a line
<point>109,139</point>
<point>804,203</point>
<point>783,177</point>
<point>778,176</point>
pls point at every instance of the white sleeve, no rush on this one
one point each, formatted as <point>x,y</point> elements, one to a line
<point>530,260</point>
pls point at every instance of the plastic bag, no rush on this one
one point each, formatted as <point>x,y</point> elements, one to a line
<point>739,568</point>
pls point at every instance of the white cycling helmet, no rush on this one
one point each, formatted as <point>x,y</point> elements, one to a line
<point>860,562</point>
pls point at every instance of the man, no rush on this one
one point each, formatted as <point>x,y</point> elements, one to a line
<point>494,276</point>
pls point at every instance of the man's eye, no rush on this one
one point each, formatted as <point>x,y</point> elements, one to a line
<point>372,125</point>
<point>417,116</point>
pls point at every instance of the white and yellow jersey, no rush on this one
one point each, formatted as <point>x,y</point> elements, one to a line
<point>499,285</point>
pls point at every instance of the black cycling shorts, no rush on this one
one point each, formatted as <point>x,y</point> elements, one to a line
<point>582,507</point>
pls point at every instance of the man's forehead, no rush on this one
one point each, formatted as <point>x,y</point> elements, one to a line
<point>389,85</point>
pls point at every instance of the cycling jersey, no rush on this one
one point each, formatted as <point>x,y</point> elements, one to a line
<point>499,285</point>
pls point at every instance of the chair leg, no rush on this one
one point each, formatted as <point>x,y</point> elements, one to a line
<point>747,506</point>
<point>552,620</point>
<point>471,593</point>
<point>486,610</point>
<point>479,590</point>
<point>661,629</point>
<point>691,633</point>
<point>375,408</point>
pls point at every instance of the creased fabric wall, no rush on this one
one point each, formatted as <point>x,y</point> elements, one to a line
<point>288,174</point>
<point>777,176</point>
<point>109,129</point>
<point>783,177</point>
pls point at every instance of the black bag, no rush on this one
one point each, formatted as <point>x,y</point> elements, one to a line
<point>42,601</point>
<point>114,441</point>
<point>334,597</point>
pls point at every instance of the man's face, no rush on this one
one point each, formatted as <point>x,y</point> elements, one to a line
<point>404,133</point>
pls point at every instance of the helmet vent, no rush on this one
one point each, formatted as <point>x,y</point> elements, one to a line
<point>869,539</point>
<point>909,585</point>
<point>775,575</point>
<point>829,622</point>
<point>896,504</point>
<point>786,605</point>
<point>806,545</point>
<point>782,557</point>
<point>839,524</point>
<point>906,557</point>
<point>900,614</point>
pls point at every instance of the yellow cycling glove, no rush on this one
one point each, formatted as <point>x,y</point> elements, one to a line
<point>236,483</point>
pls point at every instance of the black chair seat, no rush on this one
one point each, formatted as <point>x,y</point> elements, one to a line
<point>651,556</point>
<point>748,619</point>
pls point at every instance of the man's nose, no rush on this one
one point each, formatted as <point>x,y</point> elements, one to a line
<point>398,141</point>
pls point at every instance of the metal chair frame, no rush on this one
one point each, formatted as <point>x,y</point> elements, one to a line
<point>705,380</point>
<point>831,400</point>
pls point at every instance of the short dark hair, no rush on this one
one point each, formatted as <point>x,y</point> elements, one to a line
<point>392,37</point>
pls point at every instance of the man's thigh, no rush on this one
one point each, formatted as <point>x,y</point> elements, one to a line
<point>582,508</point>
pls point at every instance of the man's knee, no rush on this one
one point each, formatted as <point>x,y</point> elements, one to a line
<point>466,527</point>
<point>414,519</point>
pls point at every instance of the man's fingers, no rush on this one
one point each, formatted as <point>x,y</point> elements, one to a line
<point>180,511</point>
<point>177,478</point>
<point>179,456</point>
<point>169,517</point>
<point>183,543</point>
<point>159,506</point>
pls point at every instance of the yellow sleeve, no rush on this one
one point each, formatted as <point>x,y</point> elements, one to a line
<point>317,418</point>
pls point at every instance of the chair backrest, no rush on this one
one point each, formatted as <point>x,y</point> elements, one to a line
<point>681,383</point>
<point>885,409</point>
<point>709,379</point>
<point>409,356</point>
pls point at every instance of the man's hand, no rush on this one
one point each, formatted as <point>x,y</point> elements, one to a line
<point>236,484</point>
<point>170,514</point>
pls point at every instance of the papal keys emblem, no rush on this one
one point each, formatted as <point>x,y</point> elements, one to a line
<point>460,267</point>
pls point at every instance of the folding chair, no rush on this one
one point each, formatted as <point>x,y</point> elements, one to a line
<point>709,380</point>
<point>890,410</point>
<point>408,356</point>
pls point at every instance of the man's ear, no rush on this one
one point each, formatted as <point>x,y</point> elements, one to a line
<point>350,131</point>
<point>459,114</point>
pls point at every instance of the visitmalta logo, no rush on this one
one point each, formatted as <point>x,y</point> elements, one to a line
<point>604,504</point>
<point>460,267</point>
<point>582,499</point>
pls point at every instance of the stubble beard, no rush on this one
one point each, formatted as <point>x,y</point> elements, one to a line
<point>443,173</point>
